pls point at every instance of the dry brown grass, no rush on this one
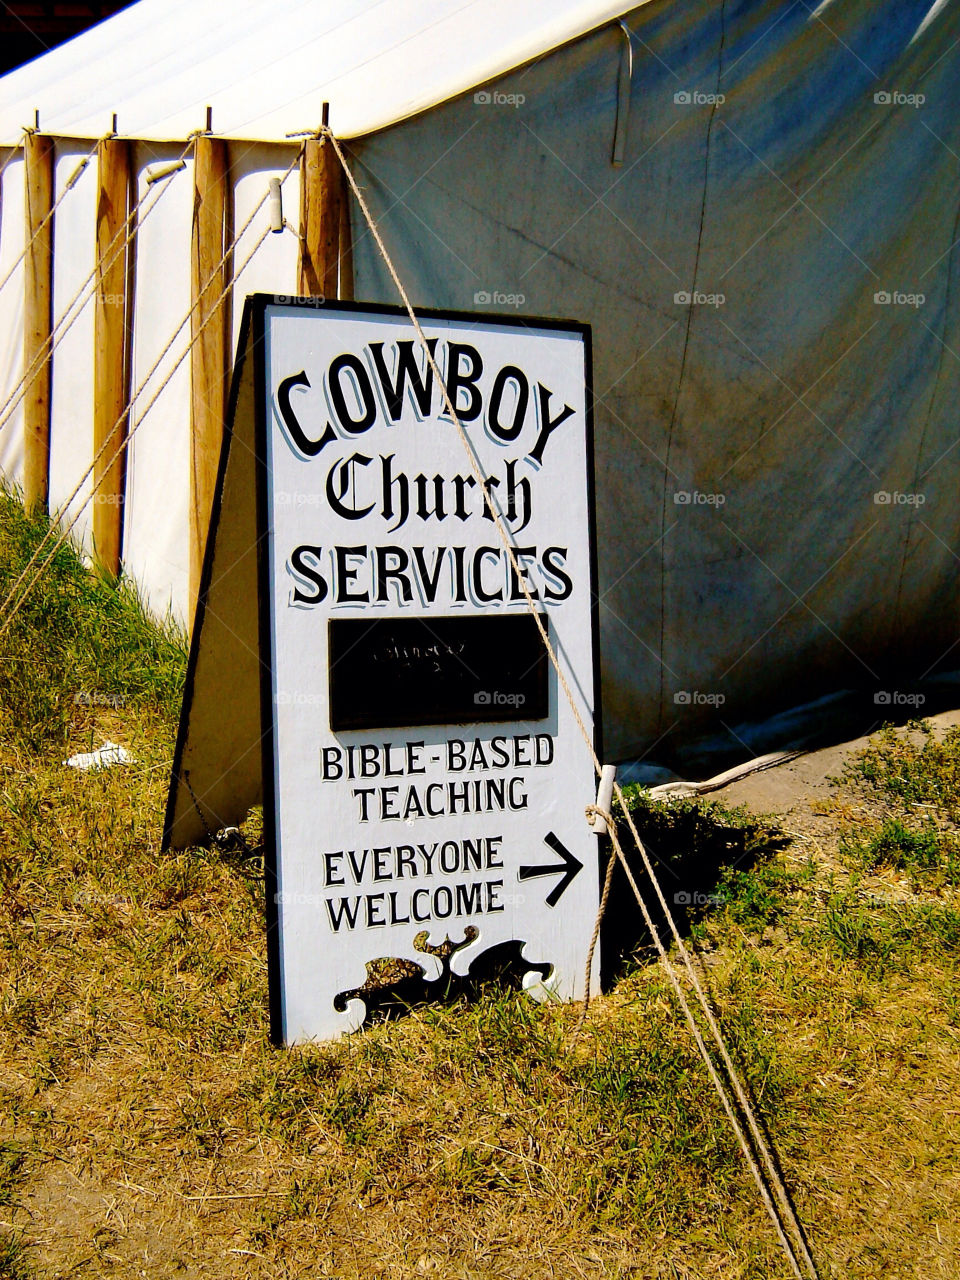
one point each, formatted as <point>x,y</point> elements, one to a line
<point>147,1128</point>
<point>160,1134</point>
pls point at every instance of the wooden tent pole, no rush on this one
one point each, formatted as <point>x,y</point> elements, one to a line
<point>111,364</point>
<point>346,246</point>
<point>37,315</point>
<point>321,196</point>
<point>209,354</point>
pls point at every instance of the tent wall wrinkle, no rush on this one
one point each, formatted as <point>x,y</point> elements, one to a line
<point>783,512</point>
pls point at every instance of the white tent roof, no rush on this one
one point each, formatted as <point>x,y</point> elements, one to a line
<point>266,68</point>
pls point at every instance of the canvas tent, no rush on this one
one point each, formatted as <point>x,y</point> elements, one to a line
<point>770,274</point>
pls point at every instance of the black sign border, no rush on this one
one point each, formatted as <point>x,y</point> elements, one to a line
<point>255,308</point>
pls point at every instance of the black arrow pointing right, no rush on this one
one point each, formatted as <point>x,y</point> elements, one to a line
<point>569,866</point>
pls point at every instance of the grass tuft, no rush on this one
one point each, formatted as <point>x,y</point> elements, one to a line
<point>915,767</point>
<point>13,1257</point>
<point>79,640</point>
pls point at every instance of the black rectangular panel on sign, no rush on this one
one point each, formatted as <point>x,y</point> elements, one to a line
<point>389,673</point>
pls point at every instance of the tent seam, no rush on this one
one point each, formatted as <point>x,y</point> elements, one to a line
<point>683,364</point>
<point>927,416</point>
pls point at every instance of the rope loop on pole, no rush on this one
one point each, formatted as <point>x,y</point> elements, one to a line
<point>68,187</point>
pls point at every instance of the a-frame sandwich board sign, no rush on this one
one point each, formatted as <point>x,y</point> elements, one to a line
<point>365,658</point>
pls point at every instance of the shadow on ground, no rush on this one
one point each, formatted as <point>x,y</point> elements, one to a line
<point>692,846</point>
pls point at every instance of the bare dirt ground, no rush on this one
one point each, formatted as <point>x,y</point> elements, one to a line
<point>794,790</point>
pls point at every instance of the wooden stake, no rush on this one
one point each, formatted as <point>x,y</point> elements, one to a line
<point>111,380</point>
<point>209,355</point>
<point>346,246</point>
<point>37,316</point>
<point>321,195</point>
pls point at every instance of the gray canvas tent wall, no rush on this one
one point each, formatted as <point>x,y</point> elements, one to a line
<point>776,422</point>
<point>801,400</point>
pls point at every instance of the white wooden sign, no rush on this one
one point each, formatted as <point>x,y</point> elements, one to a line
<point>422,770</point>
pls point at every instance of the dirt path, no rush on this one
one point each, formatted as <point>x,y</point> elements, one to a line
<point>794,789</point>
